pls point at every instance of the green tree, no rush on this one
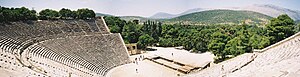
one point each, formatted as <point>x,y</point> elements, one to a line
<point>153,29</point>
<point>236,46</point>
<point>145,40</point>
<point>16,14</point>
<point>25,14</point>
<point>73,14</point>
<point>32,15</point>
<point>169,36</point>
<point>135,21</point>
<point>202,39</point>
<point>166,42</point>
<point>258,41</point>
<point>1,14</point>
<point>131,32</point>
<point>66,13</point>
<point>48,14</point>
<point>217,44</point>
<point>115,24</point>
<point>280,28</point>
<point>85,14</point>
<point>297,28</point>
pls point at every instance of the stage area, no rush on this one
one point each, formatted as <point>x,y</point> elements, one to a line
<point>163,62</point>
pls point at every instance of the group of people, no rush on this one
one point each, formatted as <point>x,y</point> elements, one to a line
<point>140,58</point>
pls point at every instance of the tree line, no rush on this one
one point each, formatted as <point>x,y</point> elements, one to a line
<point>146,34</point>
<point>21,14</point>
<point>224,41</point>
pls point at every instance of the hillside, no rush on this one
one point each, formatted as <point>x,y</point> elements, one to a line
<point>101,14</point>
<point>162,15</point>
<point>271,10</point>
<point>297,22</point>
<point>267,9</point>
<point>130,18</point>
<point>192,11</point>
<point>221,17</point>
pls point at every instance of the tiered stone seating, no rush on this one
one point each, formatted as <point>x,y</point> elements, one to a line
<point>92,51</point>
<point>63,26</point>
<point>85,46</point>
<point>73,25</point>
<point>280,59</point>
<point>85,27</point>
<point>9,44</point>
<point>93,26</point>
<point>24,31</point>
<point>223,67</point>
<point>102,26</point>
<point>117,45</point>
<point>9,67</point>
<point>274,61</point>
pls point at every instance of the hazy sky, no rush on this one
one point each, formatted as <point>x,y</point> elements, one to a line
<point>143,7</point>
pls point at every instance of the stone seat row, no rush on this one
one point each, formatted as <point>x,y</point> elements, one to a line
<point>283,57</point>
<point>48,27</point>
<point>98,53</point>
<point>84,45</point>
<point>278,55</point>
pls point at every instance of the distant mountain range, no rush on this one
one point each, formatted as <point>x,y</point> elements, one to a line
<point>130,18</point>
<point>192,11</point>
<point>254,14</point>
<point>221,17</point>
<point>270,10</point>
<point>162,15</point>
<point>102,14</point>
